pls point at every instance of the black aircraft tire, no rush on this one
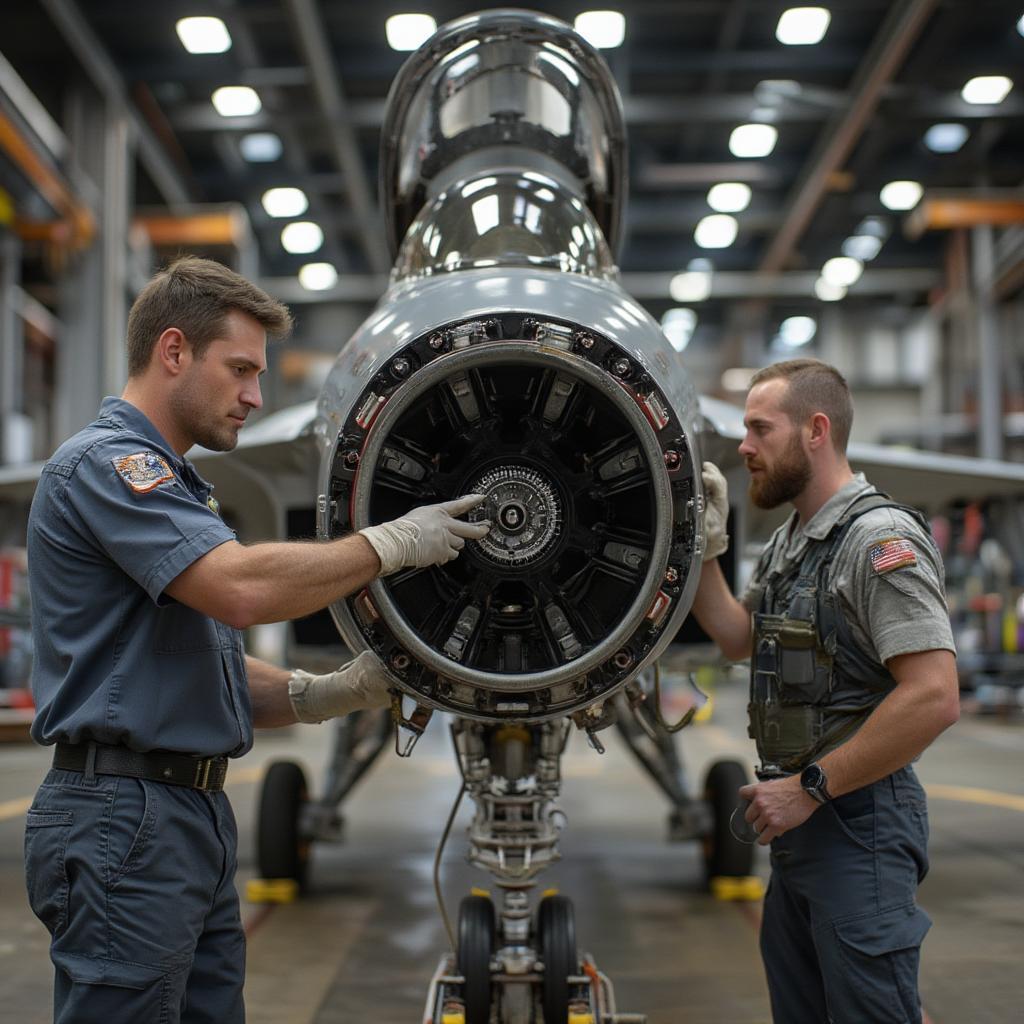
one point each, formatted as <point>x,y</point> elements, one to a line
<point>556,939</point>
<point>476,944</point>
<point>281,850</point>
<point>724,854</point>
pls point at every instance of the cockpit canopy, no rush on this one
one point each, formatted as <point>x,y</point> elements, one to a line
<point>496,83</point>
<point>509,218</point>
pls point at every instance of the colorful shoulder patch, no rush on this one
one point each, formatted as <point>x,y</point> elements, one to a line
<point>143,471</point>
<point>891,553</point>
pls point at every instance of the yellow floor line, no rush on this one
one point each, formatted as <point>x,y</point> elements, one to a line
<point>14,808</point>
<point>972,795</point>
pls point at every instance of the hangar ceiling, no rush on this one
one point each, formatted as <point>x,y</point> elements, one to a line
<point>851,114</point>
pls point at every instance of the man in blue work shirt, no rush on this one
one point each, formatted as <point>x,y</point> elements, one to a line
<point>139,592</point>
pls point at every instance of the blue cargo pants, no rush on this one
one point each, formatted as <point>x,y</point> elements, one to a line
<point>841,932</point>
<point>135,882</point>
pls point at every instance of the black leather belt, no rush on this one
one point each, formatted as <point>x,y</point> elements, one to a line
<point>205,773</point>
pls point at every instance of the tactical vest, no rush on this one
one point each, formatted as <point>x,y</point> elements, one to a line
<point>811,686</point>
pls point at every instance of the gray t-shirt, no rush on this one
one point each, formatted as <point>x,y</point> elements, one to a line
<point>888,575</point>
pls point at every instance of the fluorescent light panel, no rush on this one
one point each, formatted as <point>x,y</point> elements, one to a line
<point>862,247</point>
<point>828,292</point>
<point>716,231</point>
<point>901,195</point>
<point>302,236</point>
<point>753,140</point>
<point>945,138</point>
<point>795,331</point>
<point>602,29</point>
<point>409,31</point>
<point>285,202</point>
<point>236,101</point>
<point>986,89</point>
<point>802,26</point>
<point>729,197</point>
<point>842,271</point>
<point>318,276</point>
<point>260,147</point>
<point>203,35</point>
<point>690,286</point>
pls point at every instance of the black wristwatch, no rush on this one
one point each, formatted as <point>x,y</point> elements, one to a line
<point>815,781</point>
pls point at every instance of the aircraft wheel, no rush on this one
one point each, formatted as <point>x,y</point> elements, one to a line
<point>556,939</point>
<point>476,944</point>
<point>281,850</point>
<point>724,854</point>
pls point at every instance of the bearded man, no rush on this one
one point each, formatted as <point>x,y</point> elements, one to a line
<point>852,676</point>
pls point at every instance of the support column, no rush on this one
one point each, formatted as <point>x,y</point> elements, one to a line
<point>990,392</point>
<point>13,423</point>
<point>93,291</point>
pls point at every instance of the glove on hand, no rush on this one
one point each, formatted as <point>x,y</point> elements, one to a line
<point>360,685</point>
<point>716,511</point>
<point>428,535</point>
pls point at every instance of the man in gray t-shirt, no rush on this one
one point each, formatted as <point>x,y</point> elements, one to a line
<point>853,675</point>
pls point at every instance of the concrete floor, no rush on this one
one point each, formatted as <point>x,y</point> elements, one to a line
<point>363,944</point>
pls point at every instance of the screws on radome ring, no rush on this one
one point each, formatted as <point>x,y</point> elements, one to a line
<point>620,367</point>
<point>436,341</point>
<point>352,458</point>
<point>586,341</point>
<point>400,367</point>
<point>671,574</point>
<point>622,659</point>
<point>671,459</point>
<point>400,662</point>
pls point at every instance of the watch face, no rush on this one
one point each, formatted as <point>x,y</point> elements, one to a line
<point>812,777</point>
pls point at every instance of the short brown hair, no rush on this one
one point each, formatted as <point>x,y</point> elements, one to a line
<point>814,386</point>
<point>196,295</point>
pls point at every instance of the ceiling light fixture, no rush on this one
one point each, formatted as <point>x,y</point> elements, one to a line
<point>260,147</point>
<point>842,270</point>
<point>876,226</point>
<point>285,202</point>
<point>302,236</point>
<point>862,247</point>
<point>753,140</point>
<point>1020,25</point>
<point>986,89</point>
<point>236,101</point>
<point>203,35</point>
<point>318,276</point>
<point>828,292</point>
<point>945,138</point>
<point>679,324</point>
<point>729,197</point>
<point>802,26</point>
<point>602,29</point>
<point>795,331</point>
<point>737,378</point>
<point>901,195</point>
<point>716,231</point>
<point>693,284</point>
<point>409,31</point>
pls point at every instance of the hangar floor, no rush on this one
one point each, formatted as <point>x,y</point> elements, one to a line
<point>363,944</point>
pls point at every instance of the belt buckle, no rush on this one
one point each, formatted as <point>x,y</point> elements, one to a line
<point>201,780</point>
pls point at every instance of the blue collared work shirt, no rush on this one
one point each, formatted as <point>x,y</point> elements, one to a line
<point>116,659</point>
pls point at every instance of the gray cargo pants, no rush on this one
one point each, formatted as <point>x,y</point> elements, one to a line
<point>841,932</point>
<point>135,882</point>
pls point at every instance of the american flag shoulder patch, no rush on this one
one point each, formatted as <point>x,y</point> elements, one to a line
<point>143,471</point>
<point>891,553</point>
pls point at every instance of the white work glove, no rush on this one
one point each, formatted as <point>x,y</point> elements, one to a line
<point>428,535</point>
<point>359,685</point>
<point>716,511</point>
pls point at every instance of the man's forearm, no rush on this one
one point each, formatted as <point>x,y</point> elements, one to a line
<point>287,581</point>
<point>268,691</point>
<point>720,615</point>
<point>907,721</point>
